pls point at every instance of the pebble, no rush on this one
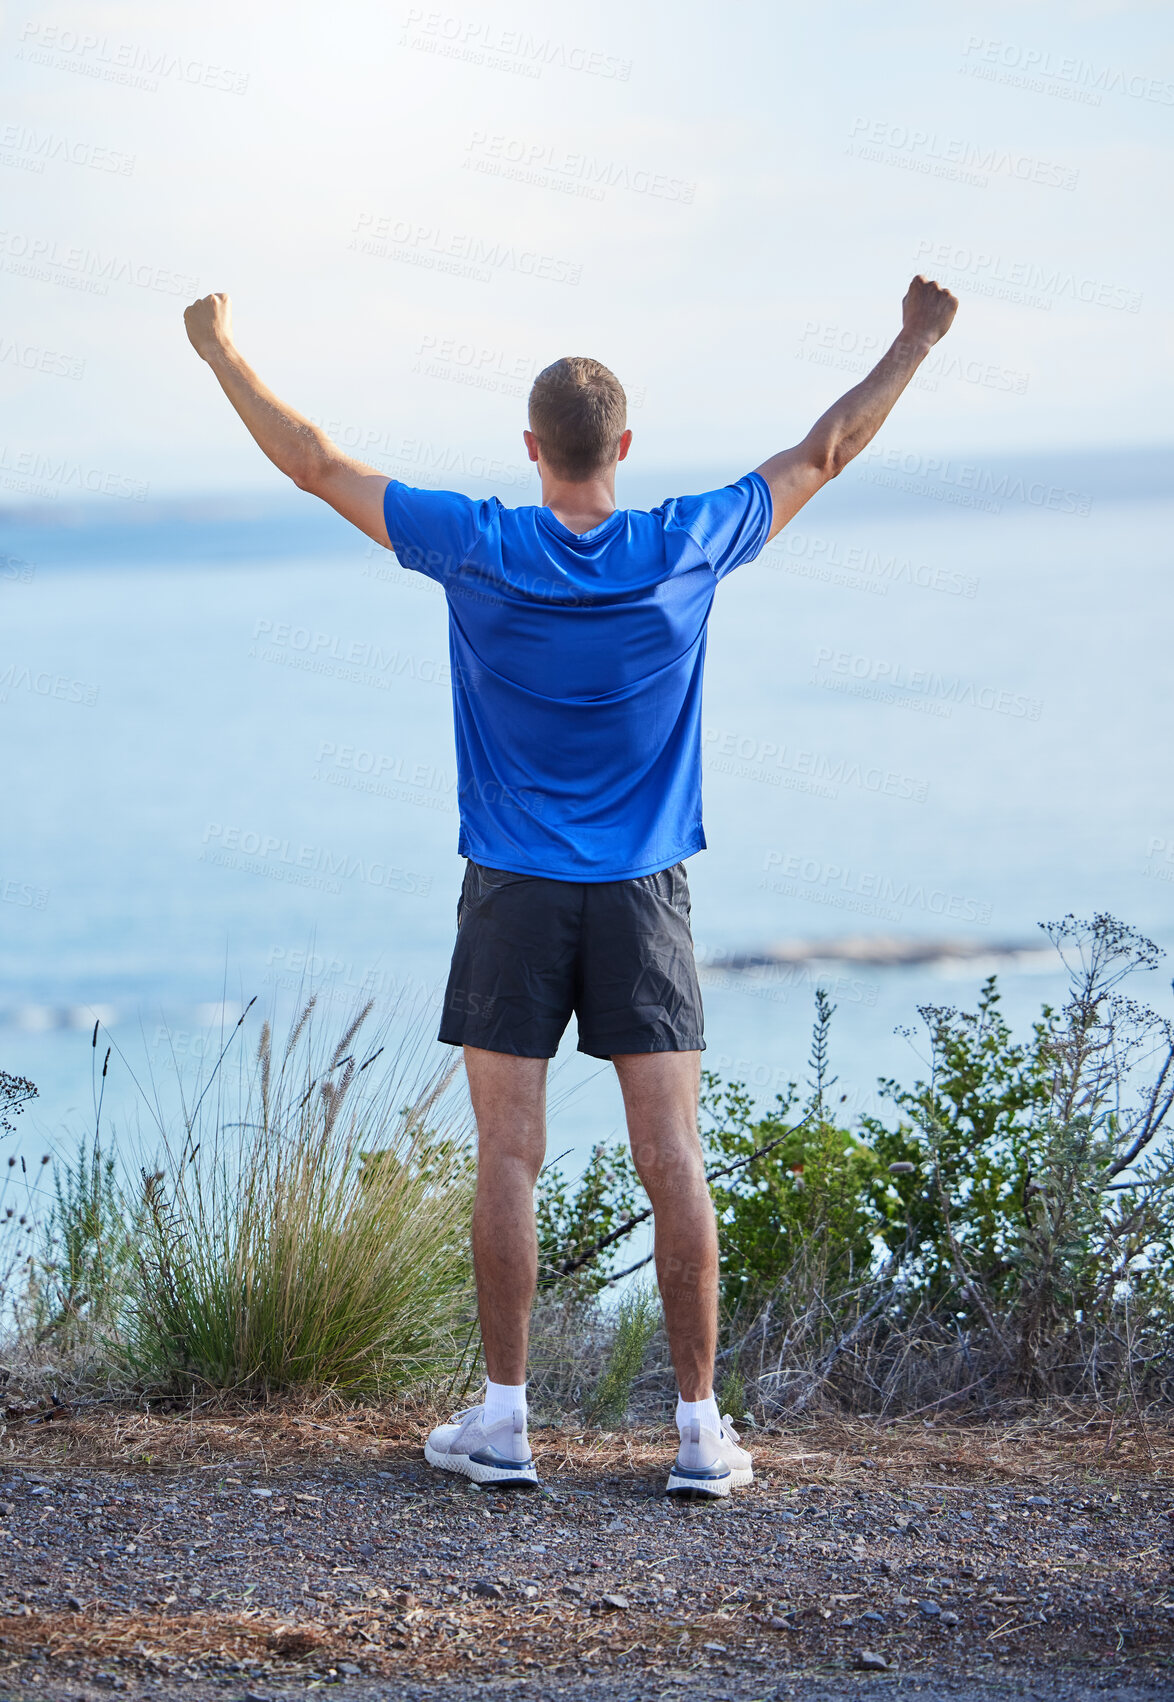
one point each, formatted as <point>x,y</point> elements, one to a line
<point>619,1602</point>
<point>949,1618</point>
<point>486,1587</point>
<point>929,1610</point>
<point>1038,1501</point>
<point>869,1661</point>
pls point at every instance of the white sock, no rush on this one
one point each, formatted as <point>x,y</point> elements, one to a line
<point>502,1401</point>
<point>704,1413</point>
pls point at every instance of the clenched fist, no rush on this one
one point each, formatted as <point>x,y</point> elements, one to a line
<point>209,324</point>
<point>928,310</point>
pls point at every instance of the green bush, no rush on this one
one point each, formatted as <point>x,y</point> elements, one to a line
<point>803,1184</point>
<point>1010,1226</point>
<point>1039,1202</point>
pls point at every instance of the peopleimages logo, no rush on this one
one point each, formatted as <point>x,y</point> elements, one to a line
<point>953,157</point>
<point>1031,283</point>
<point>745,755</point>
<point>869,892</point>
<point>877,675</point>
<point>87,269</point>
<point>517,51</point>
<point>48,475</point>
<point>941,478</point>
<point>90,54</point>
<point>283,859</point>
<point>1059,74</point>
<point>548,166</point>
<point>455,252</point>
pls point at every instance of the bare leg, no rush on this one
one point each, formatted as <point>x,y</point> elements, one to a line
<point>660,1098</point>
<point>509,1103</point>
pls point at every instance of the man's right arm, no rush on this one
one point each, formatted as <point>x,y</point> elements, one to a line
<point>850,424</point>
<point>296,446</point>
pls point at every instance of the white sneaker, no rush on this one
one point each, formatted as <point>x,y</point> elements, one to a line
<point>709,1463</point>
<point>499,1455</point>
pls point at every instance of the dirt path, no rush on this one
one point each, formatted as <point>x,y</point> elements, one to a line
<point>260,1555</point>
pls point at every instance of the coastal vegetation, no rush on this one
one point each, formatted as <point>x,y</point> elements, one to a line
<point>1002,1235</point>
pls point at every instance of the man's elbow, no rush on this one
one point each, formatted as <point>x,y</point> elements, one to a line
<point>311,472</point>
<point>838,457</point>
<point>827,457</point>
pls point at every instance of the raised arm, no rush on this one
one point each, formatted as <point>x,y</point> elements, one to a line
<point>796,474</point>
<point>294,445</point>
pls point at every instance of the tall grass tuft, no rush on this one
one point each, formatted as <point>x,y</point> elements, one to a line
<point>310,1229</point>
<point>637,1317</point>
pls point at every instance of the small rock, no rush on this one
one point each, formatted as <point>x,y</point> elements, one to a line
<point>949,1618</point>
<point>349,1668</point>
<point>619,1602</point>
<point>6,1509</point>
<point>929,1610</point>
<point>486,1587</point>
<point>530,1591</point>
<point>1038,1501</point>
<point>715,1648</point>
<point>869,1661</point>
<point>73,1603</point>
<point>572,1589</point>
<point>265,1494</point>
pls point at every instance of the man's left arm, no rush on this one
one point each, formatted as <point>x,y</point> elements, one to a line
<point>296,446</point>
<point>849,425</point>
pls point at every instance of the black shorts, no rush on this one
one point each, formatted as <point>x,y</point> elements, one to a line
<point>530,951</point>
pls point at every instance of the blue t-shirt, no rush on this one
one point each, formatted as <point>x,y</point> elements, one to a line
<point>576,669</point>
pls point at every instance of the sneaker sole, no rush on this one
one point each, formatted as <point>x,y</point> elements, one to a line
<point>695,1487</point>
<point>501,1477</point>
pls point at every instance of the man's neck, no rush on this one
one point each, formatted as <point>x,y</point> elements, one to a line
<point>580,504</point>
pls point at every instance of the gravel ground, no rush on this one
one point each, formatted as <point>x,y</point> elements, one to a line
<point>260,1555</point>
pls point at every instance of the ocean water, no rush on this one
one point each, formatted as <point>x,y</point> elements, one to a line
<point>229,771</point>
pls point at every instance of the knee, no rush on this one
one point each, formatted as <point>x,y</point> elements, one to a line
<point>669,1169</point>
<point>514,1162</point>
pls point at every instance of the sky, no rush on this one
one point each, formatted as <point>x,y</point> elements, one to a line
<point>414,210</point>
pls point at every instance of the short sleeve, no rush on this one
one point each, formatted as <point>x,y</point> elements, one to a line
<point>431,532</point>
<point>730,525</point>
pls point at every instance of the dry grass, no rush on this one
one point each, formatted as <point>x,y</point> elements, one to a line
<point>1055,1443</point>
